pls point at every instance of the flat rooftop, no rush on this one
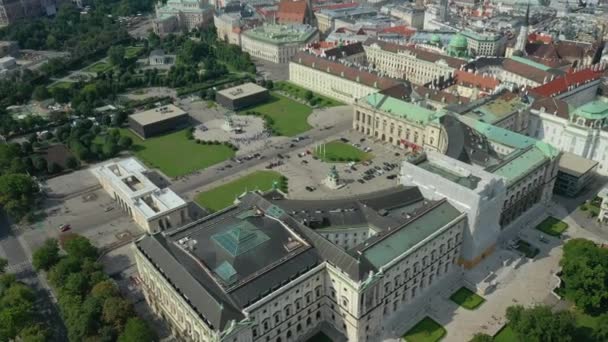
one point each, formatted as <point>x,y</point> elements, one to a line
<point>158,114</point>
<point>575,165</point>
<point>282,34</point>
<point>497,110</point>
<point>469,181</point>
<point>243,90</point>
<point>128,177</point>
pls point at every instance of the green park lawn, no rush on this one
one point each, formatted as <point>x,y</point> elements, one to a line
<point>289,117</point>
<point>133,51</point>
<point>98,67</point>
<point>300,93</point>
<point>427,330</point>
<point>175,155</point>
<point>337,151</point>
<point>223,196</point>
<point>467,298</point>
<point>506,334</point>
<point>552,226</point>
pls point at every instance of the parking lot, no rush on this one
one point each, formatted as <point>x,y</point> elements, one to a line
<point>306,173</point>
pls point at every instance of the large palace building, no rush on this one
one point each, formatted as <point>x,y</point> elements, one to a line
<point>273,269</point>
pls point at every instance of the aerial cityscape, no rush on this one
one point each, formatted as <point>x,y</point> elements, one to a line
<point>304,170</point>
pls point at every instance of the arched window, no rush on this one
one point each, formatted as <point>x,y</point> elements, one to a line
<point>277,318</point>
<point>344,301</point>
<point>308,321</point>
<point>265,324</point>
<point>288,333</point>
<point>299,327</point>
<point>287,310</point>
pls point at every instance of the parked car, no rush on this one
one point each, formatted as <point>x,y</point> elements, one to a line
<point>64,227</point>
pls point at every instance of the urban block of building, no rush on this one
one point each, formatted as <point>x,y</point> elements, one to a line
<point>176,15</point>
<point>272,269</point>
<point>242,96</point>
<point>277,43</point>
<point>574,175</point>
<point>343,81</point>
<point>152,208</point>
<point>406,62</point>
<point>158,120</point>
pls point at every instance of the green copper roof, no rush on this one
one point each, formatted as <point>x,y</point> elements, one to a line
<point>403,239</point>
<point>226,272</point>
<point>435,39</point>
<point>593,110</point>
<point>458,42</point>
<point>517,167</point>
<point>281,34</point>
<point>402,109</point>
<point>240,238</point>
<point>530,63</point>
<point>495,111</point>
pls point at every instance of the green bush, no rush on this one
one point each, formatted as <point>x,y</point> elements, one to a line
<point>584,207</point>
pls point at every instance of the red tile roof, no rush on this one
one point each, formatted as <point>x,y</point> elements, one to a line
<point>526,71</point>
<point>486,83</point>
<point>553,106</point>
<point>292,11</point>
<point>540,37</point>
<point>562,83</point>
<point>424,55</point>
<point>344,71</point>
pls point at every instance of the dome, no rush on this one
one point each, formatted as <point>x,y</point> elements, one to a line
<point>435,39</point>
<point>458,42</point>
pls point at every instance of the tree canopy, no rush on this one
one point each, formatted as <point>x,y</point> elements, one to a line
<point>17,194</point>
<point>540,324</point>
<point>585,275</point>
<point>46,256</point>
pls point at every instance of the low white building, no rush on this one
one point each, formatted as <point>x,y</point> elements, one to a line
<point>152,208</point>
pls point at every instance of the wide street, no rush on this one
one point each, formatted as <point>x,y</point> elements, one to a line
<point>20,264</point>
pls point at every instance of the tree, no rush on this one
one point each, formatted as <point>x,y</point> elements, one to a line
<point>539,324</point>
<point>104,290</point>
<point>3,265</point>
<point>41,93</point>
<point>40,164</point>
<point>585,275</point>
<point>61,94</point>
<point>125,142</point>
<point>481,337</point>
<point>80,248</point>
<point>308,95</point>
<point>600,333</point>
<point>76,284</point>
<point>71,163</point>
<point>136,330</point>
<point>109,149</point>
<point>116,55</point>
<point>116,312</point>
<point>17,194</point>
<point>46,256</point>
<point>35,333</point>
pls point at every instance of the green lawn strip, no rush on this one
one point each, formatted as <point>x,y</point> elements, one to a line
<point>175,155</point>
<point>427,330</point>
<point>506,334</point>
<point>585,320</point>
<point>467,298</point>
<point>552,226</point>
<point>527,249</point>
<point>288,117</point>
<point>60,84</point>
<point>98,67</point>
<point>300,93</point>
<point>337,151</point>
<point>223,196</point>
<point>133,51</point>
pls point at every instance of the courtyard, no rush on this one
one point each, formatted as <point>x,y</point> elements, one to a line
<point>426,330</point>
<point>285,116</point>
<point>175,155</point>
<point>224,195</point>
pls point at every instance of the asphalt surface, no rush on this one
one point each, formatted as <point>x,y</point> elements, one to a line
<point>212,174</point>
<point>20,264</point>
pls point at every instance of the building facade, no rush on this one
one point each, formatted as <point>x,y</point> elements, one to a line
<point>277,43</point>
<point>485,44</point>
<point>176,15</point>
<point>399,123</point>
<point>335,79</point>
<point>405,62</point>
<point>308,283</point>
<point>152,208</point>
